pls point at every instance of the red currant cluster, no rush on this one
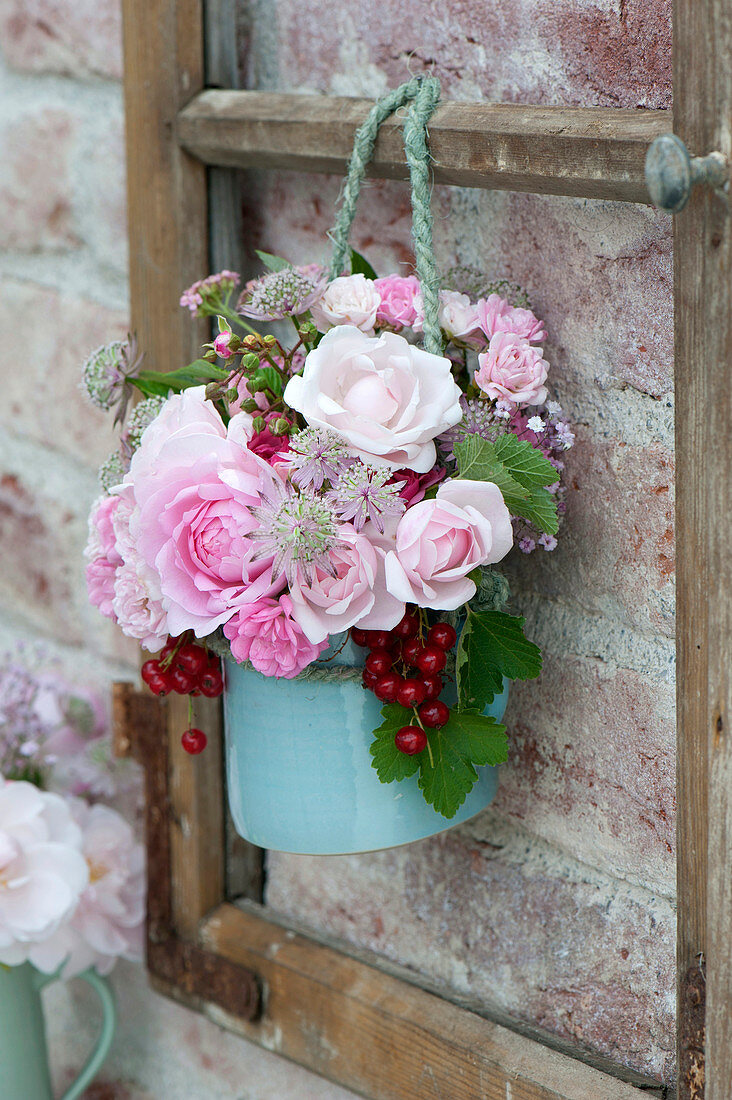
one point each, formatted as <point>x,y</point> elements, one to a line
<point>404,667</point>
<point>187,669</point>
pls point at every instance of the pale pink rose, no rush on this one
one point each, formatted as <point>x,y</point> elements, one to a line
<point>195,489</point>
<point>356,594</point>
<point>107,923</point>
<point>397,306</point>
<point>458,317</point>
<point>385,397</point>
<point>266,634</point>
<point>138,601</point>
<point>347,300</point>
<point>42,869</point>
<point>496,315</point>
<point>439,542</point>
<point>513,370</point>
<point>102,556</point>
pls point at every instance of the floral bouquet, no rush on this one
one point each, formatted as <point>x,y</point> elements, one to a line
<point>72,878</point>
<point>285,489</point>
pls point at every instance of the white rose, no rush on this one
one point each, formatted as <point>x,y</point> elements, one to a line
<point>349,300</point>
<point>457,315</point>
<point>385,397</point>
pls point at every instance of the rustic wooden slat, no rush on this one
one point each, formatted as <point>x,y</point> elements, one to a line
<point>387,1039</point>
<point>703,277</point>
<point>593,152</point>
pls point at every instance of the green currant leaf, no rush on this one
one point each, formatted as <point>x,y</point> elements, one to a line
<point>525,462</point>
<point>447,770</point>
<point>519,471</point>
<point>477,460</point>
<point>492,646</point>
<point>391,764</point>
<point>361,266</point>
<point>540,510</point>
<point>272,263</point>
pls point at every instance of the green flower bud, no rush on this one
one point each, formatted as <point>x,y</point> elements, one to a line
<point>269,341</point>
<point>280,426</point>
<point>249,406</point>
<point>258,423</point>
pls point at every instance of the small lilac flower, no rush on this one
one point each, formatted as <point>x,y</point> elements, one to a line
<point>504,408</point>
<point>565,435</point>
<point>107,373</point>
<point>365,493</point>
<point>297,529</point>
<point>204,297</point>
<point>278,294</point>
<point>317,455</point>
<point>526,544</point>
<point>554,409</point>
<point>548,542</point>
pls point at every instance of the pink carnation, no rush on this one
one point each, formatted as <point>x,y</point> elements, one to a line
<point>399,301</point>
<point>416,485</point>
<point>513,370</point>
<point>265,634</point>
<point>267,445</point>
<point>496,315</point>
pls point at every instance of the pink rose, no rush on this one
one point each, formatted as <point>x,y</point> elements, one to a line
<point>385,397</point>
<point>439,542</point>
<point>513,370</point>
<point>266,634</point>
<point>458,317</point>
<point>496,315</point>
<point>103,558</point>
<point>195,489</point>
<point>356,594</point>
<point>348,300</point>
<point>398,294</point>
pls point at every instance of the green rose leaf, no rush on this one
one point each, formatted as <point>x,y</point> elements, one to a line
<point>447,767</point>
<point>492,646</point>
<point>390,764</point>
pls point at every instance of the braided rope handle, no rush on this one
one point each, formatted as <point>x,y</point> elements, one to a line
<point>421,93</point>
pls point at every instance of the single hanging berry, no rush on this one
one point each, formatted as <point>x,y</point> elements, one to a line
<point>434,714</point>
<point>410,740</point>
<point>442,635</point>
<point>194,741</point>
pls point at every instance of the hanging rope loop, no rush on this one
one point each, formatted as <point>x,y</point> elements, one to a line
<point>421,95</point>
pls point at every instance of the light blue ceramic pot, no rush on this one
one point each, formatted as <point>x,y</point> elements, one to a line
<point>299,769</point>
<point>23,1061</point>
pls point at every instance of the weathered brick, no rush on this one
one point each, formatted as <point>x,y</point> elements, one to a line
<point>73,37</point>
<point>46,335</point>
<point>503,918</point>
<point>35,184</point>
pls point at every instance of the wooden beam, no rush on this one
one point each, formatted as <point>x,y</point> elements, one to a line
<point>592,152</point>
<point>703,306</point>
<point>379,1035</point>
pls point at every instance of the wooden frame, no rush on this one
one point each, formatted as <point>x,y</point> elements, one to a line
<point>371,1028</point>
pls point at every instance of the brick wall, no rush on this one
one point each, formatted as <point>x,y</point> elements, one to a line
<point>558,902</point>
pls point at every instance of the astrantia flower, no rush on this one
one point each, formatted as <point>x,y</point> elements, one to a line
<point>285,293</point>
<point>366,493</point>
<point>317,455</point>
<point>479,418</point>
<point>143,414</point>
<point>205,296</point>
<point>113,470</point>
<point>106,375</point>
<point>296,529</point>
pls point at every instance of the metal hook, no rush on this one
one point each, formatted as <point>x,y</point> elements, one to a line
<point>671,172</point>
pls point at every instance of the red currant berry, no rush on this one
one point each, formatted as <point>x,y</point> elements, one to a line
<point>435,714</point>
<point>411,651</point>
<point>411,693</point>
<point>407,627</point>
<point>211,683</point>
<point>410,740</point>
<point>170,647</point>
<point>369,679</point>
<point>150,669</point>
<point>387,686</point>
<point>192,659</point>
<point>379,639</point>
<point>360,637</point>
<point>194,741</point>
<point>180,681</point>
<point>442,635</point>
<point>379,661</point>
<point>159,685</point>
<point>433,686</point>
<point>432,659</point>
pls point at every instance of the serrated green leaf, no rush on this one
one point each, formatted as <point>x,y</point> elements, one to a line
<point>524,462</point>
<point>477,460</point>
<point>492,646</point>
<point>392,765</point>
<point>447,771</point>
<point>361,266</point>
<point>272,263</point>
<point>540,509</point>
